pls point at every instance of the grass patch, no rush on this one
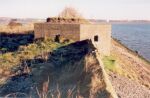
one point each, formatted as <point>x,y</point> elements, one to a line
<point>110,64</point>
<point>39,47</point>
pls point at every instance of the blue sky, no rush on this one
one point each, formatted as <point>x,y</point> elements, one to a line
<point>99,9</point>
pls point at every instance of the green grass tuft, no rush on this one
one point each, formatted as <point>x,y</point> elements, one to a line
<point>39,47</point>
<point>111,64</point>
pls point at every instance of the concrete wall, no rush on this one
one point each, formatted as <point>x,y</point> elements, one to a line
<point>78,32</point>
<point>68,31</point>
<point>103,31</point>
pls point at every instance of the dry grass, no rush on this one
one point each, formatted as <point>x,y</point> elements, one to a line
<point>14,95</point>
<point>46,93</point>
<point>119,44</point>
<point>41,48</point>
<point>133,66</point>
<point>86,74</point>
<point>17,29</point>
<point>9,60</point>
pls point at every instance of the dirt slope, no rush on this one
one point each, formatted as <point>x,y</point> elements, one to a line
<point>72,68</point>
<point>79,69</point>
<point>134,82</point>
<point>76,70</point>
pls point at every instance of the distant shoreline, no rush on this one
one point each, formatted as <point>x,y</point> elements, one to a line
<point>129,22</point>
<point>5,20</point>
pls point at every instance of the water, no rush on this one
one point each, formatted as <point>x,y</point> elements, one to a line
<point>134,36</point>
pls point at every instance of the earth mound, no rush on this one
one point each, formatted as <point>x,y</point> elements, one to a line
<point>71,70</point>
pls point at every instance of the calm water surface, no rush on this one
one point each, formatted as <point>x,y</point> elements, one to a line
<point>134,36</point>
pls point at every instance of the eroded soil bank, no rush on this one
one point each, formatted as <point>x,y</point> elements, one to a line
<point>71,70</point>
<point>74,70</point>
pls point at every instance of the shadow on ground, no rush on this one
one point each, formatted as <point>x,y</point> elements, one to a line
<point>11,42</point>
<point>73,67</point>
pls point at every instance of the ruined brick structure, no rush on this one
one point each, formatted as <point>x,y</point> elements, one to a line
<point>100,34</point>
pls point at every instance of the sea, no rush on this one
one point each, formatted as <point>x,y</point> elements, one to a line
<point>135,36</point>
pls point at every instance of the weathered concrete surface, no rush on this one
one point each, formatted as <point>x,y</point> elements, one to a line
<point>103,31</point>
<point>77,32</point>
<point>68,31</point>
<point>109,86</point>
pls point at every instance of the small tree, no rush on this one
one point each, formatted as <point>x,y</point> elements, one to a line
<point>70,12</point>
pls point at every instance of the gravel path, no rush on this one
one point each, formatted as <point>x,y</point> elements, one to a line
<point>126,88</point>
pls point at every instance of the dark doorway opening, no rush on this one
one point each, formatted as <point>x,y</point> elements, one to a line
<point>96,38</point>
<point>57,38</point>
